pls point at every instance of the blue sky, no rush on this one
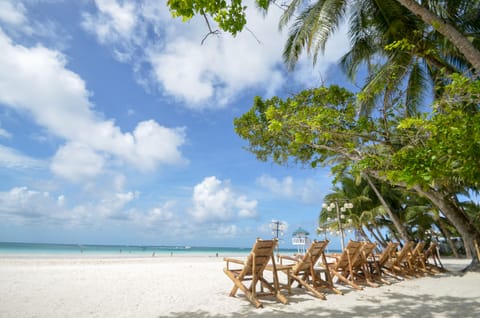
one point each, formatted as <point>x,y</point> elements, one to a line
<point>116,126</point>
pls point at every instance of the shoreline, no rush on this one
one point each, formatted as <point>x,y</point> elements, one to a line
<point>451,263</point>
<point>182,286</point>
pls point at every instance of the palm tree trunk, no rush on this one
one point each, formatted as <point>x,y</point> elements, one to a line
<point>380,235</point>
<point>396,221</point>
<point>466,47</point>
<point>446,233</point>
<point>459,219</point>
<point>381,238</point>
<point>362,232</point>
<point>375,236</point>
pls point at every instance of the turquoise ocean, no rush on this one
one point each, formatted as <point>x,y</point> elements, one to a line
<point>72,250</point>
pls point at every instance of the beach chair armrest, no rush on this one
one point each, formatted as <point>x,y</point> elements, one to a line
<point>286,257</point>
<point>335,256</point>
<point>233,260</point>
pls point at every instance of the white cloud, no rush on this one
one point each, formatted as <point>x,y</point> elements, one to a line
<point>281,187</point>
<point>156,216</point>
<point>226,231</point>
<point>306,191</point>
<point>61,200</point>
<point>212,74</point>
<point>112,205</point>
<point>36,80</point>
<point>170,55</point>
<point>113,22</point>
<point>77,162</point>
<point>10,158</point>
<point>22,204</point>
<point>164,221</point>
<point>4,133</point>
<point>204,76</point>
<point>214,200</point>
<point>12,13</point>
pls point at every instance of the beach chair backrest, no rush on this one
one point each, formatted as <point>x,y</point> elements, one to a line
<point>387,253</point>
<point>349,255</point>
<point>261,253</point>
<point>367,250</point>
<point>312,255</point>
<point>404,252</point>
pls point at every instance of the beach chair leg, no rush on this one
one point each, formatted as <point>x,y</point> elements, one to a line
<point>309,287</point>
<point>347,281</point>
<point>238,285</point>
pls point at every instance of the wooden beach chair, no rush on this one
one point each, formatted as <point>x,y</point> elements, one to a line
<point>431,259</point>
<point>416,264</point>
<point>303,270</point>
<point>252,269</point>
<point>398,265</point>
<point>361,267</point>
<point>378,265</point>
<point>343,267</point>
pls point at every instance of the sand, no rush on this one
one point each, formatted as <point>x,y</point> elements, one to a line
<point>197,287</point>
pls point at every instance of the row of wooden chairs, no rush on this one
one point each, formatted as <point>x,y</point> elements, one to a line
<point>356,266</point>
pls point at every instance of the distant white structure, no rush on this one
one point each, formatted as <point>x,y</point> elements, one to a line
<point>301,240</point>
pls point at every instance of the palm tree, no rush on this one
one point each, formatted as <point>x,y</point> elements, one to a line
<point>316,22</point>
<point>409,53</point>
<point>443,26</point>
<point>416,54</point>
<point>367,207</point>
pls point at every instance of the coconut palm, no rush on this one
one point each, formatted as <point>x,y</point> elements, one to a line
<point>318,20</point>
<point>408,52</point>
<point>368,212</point>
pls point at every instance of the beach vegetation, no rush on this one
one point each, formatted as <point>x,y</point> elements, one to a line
<point>386,135</point>
<point>433,154</point>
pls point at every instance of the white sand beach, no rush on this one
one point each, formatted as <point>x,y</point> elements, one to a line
<point>186,286</point>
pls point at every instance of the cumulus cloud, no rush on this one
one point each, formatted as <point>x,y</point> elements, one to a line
<point>169,53</point>
<point>203,76</point>
<point>21,204</point>
<point>36,80</point>
<point>214,200</point>
<point>156,216</point>
<point>76,162</point>
<point>307,191</point>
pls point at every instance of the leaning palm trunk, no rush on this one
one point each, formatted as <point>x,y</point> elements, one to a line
<point>471,54</point>
<point>396,221</point>
<point>362,232</point>
<point>459,219</point>
<point>375,233</point>
<point>383,241</point>
<point>447,235</point>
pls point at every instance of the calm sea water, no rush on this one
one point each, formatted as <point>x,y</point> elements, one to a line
<point>39,249</point>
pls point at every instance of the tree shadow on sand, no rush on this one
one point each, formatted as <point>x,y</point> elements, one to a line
<point>399,305</point>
